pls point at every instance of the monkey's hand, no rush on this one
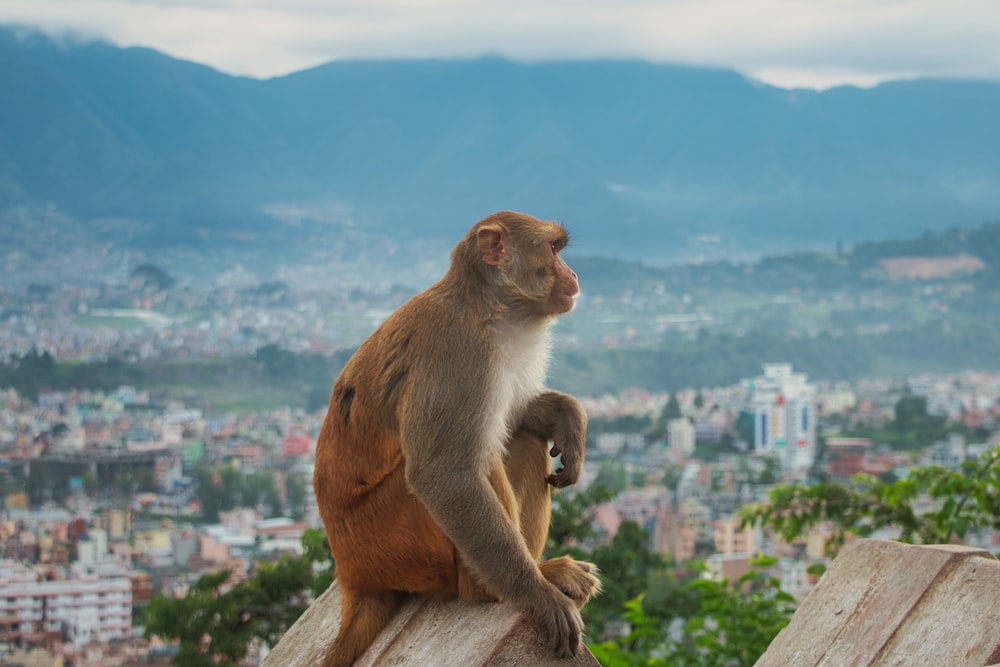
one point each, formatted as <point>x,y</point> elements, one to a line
<point>572,462</point>
<point>560,419</point>
<point>560,621</point>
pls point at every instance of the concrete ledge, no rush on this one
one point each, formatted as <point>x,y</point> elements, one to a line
<point>444,634</point>
<point>887,603</point>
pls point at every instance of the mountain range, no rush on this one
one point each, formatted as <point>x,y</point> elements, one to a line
<point>642,161</point>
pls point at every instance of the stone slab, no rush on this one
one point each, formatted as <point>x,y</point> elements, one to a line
<point>887,603</point>
<point>444,634</point>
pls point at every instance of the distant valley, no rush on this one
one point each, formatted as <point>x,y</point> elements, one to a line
<point>885,310</point>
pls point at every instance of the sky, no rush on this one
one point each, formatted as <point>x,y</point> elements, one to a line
<point>788,43</point>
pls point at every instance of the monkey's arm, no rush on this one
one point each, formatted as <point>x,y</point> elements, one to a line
<point>560,419</point>
<point>469,512</point>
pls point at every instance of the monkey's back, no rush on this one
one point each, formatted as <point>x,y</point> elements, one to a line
<point>369,513</point>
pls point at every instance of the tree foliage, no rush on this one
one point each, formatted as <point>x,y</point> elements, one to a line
<point>572,522</point>
<point>715,358</point>
<point>728,624</point>
<point>152,276</point>
<point>224,488</point>
<point>626,564</point>
<point>217,622</point>
<point>912,427</point>
<point>674,616</point>
<point>960,500</point>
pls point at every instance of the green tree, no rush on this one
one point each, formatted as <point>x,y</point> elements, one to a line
<point>572,524</point>
<point>626,564</point>
<point>224,488</point>
<point>37,483</point>
<point>733,624</point>
<point>60,490</point>
<point>131,480</point>
<point>276,362</point>
<point>208,494</point>
<point>90,483</point>
<point>258,488</point>
<point>316,551</point>
<point>612,474</point>
<point>914,427</point>
<point>150,275</point>
<point>961,500</point>
<point>230,485</point>
<point>215,624</point>
<point>726,624</point>
<point>672,409</point>
<point>296,493</point>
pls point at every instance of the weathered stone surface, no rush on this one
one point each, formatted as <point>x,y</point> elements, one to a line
<point>886,603</point>
<point>448,634</point>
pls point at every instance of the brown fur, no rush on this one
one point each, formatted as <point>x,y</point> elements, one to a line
<point>432,467</point>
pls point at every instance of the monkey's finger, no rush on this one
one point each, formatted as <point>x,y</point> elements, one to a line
<point>572,642</point>
<point>559,479</point>
<point>566,639</point>
<point>555,451</point>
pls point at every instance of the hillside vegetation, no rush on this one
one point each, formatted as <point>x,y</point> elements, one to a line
<point>834,316</point>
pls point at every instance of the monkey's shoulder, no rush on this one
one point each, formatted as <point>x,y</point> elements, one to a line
<point>410,345</point>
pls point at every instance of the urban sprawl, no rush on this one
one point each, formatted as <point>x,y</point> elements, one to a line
<point>102,508</point>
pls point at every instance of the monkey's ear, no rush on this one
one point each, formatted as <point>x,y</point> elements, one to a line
<point>493,244</point>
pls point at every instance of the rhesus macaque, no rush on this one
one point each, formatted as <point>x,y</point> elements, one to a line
<point>433,464</point>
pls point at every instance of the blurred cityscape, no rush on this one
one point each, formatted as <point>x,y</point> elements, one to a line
<point>189,258</point>
<point>113,496</point>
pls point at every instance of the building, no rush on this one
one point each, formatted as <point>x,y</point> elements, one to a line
<point>93,605</point>
<point>675,536</point>
<point>728,567</point>
<point>680,435</point>
<point>784,407</point>
<point>731,538</point>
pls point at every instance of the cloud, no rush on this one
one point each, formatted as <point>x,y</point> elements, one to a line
<point>816,43</point>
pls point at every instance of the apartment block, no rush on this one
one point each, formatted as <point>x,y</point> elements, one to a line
<point>784,408</point>
<point>92,604</point>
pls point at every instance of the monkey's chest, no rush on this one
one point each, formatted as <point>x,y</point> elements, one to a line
<point>519,378</point>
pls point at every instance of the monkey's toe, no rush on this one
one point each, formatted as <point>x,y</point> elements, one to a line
<point>576,579</point>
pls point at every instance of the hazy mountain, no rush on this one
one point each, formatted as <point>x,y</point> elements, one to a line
<point>639,159</point>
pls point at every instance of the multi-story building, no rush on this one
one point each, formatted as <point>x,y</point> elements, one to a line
<point>92,605</point>
<point>732,538</point>
<point>680,435</point>
<point>784,409</point>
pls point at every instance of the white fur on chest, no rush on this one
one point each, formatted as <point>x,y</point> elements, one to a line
<point>521,366</point>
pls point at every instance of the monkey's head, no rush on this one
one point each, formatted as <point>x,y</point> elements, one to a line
<point>519,258</point>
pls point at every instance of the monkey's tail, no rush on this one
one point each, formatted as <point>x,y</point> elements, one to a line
<point>363,616</point>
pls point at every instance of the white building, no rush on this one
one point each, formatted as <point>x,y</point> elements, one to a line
<point>90,606</point>
<point>93,546</point>
<point>614,443</point>
<point>784,409</point>
<point>680,435</point>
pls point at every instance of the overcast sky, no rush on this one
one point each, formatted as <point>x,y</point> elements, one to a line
<point>811,43</point>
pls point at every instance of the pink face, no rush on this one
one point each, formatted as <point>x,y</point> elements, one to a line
<point>566,285</point>
<point>542,258</point>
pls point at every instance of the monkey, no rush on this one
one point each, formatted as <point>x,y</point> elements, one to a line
<point>433,463</point>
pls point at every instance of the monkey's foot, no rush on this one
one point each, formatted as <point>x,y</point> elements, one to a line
<point>577,579</point>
